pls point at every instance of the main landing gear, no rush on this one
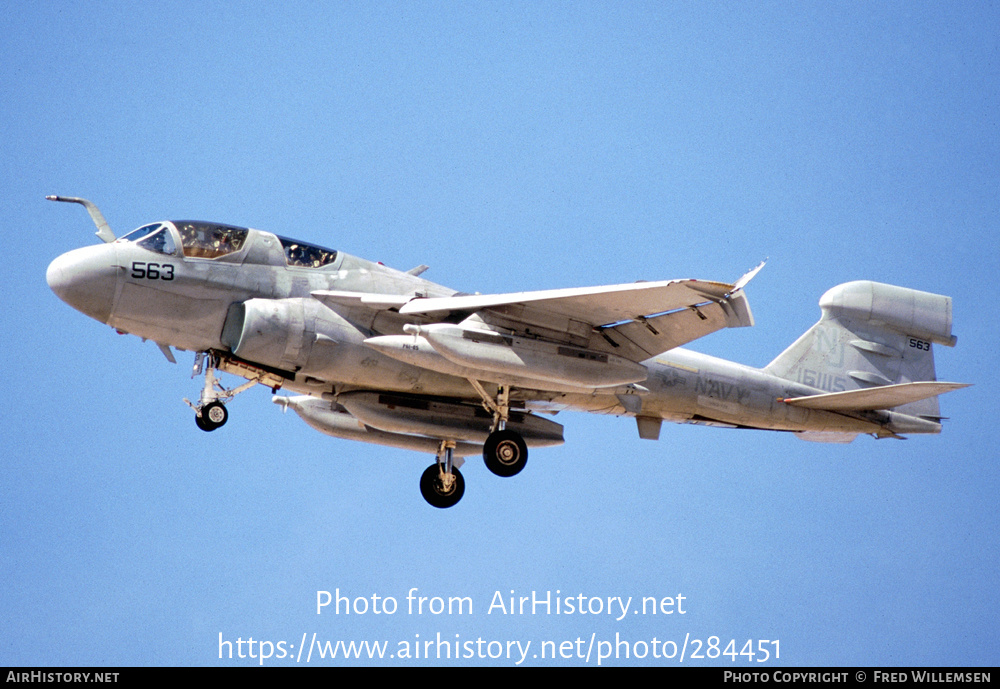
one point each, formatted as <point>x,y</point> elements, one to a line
<point>504,451</point>
<point>442,484</point>
<point>210,412</point>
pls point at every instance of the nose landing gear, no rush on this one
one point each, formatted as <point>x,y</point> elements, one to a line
<point>210,412</point>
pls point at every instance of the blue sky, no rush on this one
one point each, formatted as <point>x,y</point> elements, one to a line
<point>510,146</point>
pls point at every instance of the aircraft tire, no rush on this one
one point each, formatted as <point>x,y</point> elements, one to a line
<point>215,415</point>
<point>201,423</point>
<point>505,453</point>
<point>433,491</point>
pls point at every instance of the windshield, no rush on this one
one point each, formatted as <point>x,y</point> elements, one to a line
<point>136,235</point>
<point>161,242</point>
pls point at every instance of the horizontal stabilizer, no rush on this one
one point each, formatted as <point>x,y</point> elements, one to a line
<point>883,397</point>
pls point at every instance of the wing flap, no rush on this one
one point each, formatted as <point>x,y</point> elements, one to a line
<point>882,397</point>
<point>644,338</point>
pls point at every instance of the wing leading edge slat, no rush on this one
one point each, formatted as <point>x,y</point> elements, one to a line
<point>594,305</point>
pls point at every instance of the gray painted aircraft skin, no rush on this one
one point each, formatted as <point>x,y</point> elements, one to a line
<point>387,357</point>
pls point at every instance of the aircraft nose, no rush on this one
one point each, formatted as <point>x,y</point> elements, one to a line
<point>85,279</point>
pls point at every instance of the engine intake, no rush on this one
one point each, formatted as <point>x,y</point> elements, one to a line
<point>280,332</point>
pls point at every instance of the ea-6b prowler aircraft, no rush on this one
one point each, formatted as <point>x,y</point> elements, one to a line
<point>386,357</point>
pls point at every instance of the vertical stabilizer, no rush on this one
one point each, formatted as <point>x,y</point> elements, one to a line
<point>869,335</point>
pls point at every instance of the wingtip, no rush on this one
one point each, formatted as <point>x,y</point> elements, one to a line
<point>748,276</point>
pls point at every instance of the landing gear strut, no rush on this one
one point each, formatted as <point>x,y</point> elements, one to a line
<point>210,412</point>
<point>504,451</point>
<point>442,484</point>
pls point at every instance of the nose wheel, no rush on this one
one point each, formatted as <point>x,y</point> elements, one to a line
<point>212,416</point>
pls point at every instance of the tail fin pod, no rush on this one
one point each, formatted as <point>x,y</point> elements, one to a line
<point>871,334</point>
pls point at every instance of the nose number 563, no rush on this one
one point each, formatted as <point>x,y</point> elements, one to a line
<point>152,271</point>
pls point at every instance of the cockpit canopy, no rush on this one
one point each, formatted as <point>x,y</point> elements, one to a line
<point>210,240</point>
<point>214,240</point>
<point>306,255</point>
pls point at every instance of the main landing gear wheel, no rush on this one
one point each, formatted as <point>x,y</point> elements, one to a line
<point>212,416</point>
<point>505,453</point>
<point>441,489</point>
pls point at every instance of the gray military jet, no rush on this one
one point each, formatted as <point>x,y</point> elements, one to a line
<point>384,356</point>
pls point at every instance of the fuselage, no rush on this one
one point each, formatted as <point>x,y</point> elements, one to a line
<point>203,287</point>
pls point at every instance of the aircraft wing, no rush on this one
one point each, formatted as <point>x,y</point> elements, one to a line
<point>635,321</point>
<point>605,304</point>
